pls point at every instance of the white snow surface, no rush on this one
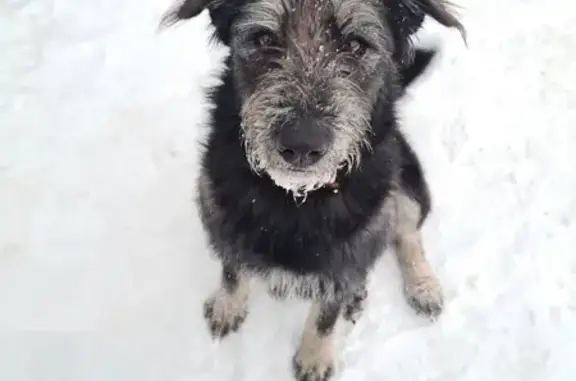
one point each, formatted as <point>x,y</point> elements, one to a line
<point>104,266</point>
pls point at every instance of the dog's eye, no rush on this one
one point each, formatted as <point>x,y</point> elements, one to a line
<point>356,46</point>
<point>264,39</point>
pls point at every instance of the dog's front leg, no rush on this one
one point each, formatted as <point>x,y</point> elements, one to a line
<point>226,309</point>
<point>314,359</point>
<point>421,286</point>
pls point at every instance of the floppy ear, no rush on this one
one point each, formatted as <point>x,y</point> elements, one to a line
<point>221,14</point>
<point>186,10</point>
<point>405,18</point>
<point>420,63</point>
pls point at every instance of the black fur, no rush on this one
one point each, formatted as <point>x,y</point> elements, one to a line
<point>407,16</point>
<point>326,244</point>
<point>278,232</point>
<point>419,64</point>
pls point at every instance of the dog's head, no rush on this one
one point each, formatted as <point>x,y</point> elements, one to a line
<point>308,74</point>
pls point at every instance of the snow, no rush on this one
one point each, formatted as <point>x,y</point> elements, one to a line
<point>103,264</point>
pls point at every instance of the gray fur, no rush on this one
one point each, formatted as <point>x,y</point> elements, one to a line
<point>312,74</point>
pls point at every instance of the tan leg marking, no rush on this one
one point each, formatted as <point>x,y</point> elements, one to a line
<point>314,359</point>
<point>421,286</point>
<point>226,309</point>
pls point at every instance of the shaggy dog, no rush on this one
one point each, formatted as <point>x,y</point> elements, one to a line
<point>306,177</point>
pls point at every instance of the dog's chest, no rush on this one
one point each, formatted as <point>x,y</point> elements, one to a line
<point>312,250</point>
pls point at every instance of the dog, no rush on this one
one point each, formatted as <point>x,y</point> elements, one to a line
<point>305,176</point>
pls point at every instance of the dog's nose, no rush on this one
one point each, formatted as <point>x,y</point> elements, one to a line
<point>303,143</point>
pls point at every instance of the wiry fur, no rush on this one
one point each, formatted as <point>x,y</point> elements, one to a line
<point>311,76</point>
<point>321,248</point>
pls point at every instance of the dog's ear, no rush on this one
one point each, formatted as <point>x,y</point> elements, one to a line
<point>186,10</point>
<point>420,63</point>
<point>405,18</point>
<point>221,12</point>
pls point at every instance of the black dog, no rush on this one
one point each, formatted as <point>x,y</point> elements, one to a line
<point>306,178</point>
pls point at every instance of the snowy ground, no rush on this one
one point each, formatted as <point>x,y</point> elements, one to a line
<point>103,266</point>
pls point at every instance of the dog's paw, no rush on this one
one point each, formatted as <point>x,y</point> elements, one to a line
<point>352,314</point>
<point>224,314</point>
<point>425,296</point>
<point>354,309</point>
<point>312,366</point>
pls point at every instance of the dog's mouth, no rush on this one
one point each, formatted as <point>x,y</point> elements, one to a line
<point>301,182</point>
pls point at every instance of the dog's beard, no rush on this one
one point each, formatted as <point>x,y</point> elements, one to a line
<point>299,184</point>
<point>343,156</point>
<point>296,181</point>
<point>348,117</point>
